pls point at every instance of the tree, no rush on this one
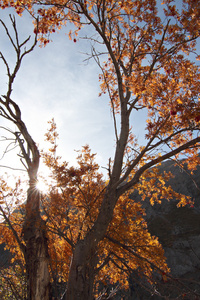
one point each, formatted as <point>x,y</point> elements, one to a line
<point>69,210</point>
<point>34,245</point>
<point>149,65</point>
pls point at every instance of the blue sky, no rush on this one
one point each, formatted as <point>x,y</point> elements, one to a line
<point>56,82</point>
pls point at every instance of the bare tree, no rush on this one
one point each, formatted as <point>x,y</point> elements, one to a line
<point>34,244</point>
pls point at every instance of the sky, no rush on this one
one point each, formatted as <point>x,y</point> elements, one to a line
<point>56,82</point>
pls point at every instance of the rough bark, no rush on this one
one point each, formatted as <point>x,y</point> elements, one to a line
<point>36,251</point>
<point>81,277</point>
<point>34,228</point>
<point>82,269</point>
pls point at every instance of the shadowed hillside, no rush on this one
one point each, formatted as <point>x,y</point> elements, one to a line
<point>178,230</point>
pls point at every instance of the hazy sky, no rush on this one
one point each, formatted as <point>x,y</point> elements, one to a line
<point>56,82</point>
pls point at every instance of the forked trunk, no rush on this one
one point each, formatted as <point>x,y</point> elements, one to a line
<point>36,250</point>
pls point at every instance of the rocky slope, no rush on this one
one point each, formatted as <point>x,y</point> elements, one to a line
<point>178,230</point>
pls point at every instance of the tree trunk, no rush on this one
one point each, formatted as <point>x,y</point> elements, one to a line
<point>85,256</point>
<point>36,250</point>
<point>81,276</point>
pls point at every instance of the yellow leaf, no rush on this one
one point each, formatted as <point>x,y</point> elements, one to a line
<point>179,101</point>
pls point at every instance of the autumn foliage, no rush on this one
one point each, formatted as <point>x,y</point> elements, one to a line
<point>97,233</point>
<point>69,209</point>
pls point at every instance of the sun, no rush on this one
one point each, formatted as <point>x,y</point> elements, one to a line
<point>42,185</point>
<point>43,180</point>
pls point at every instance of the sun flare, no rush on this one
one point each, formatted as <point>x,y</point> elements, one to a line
<point>42,185</point>
<point>43,180</point>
